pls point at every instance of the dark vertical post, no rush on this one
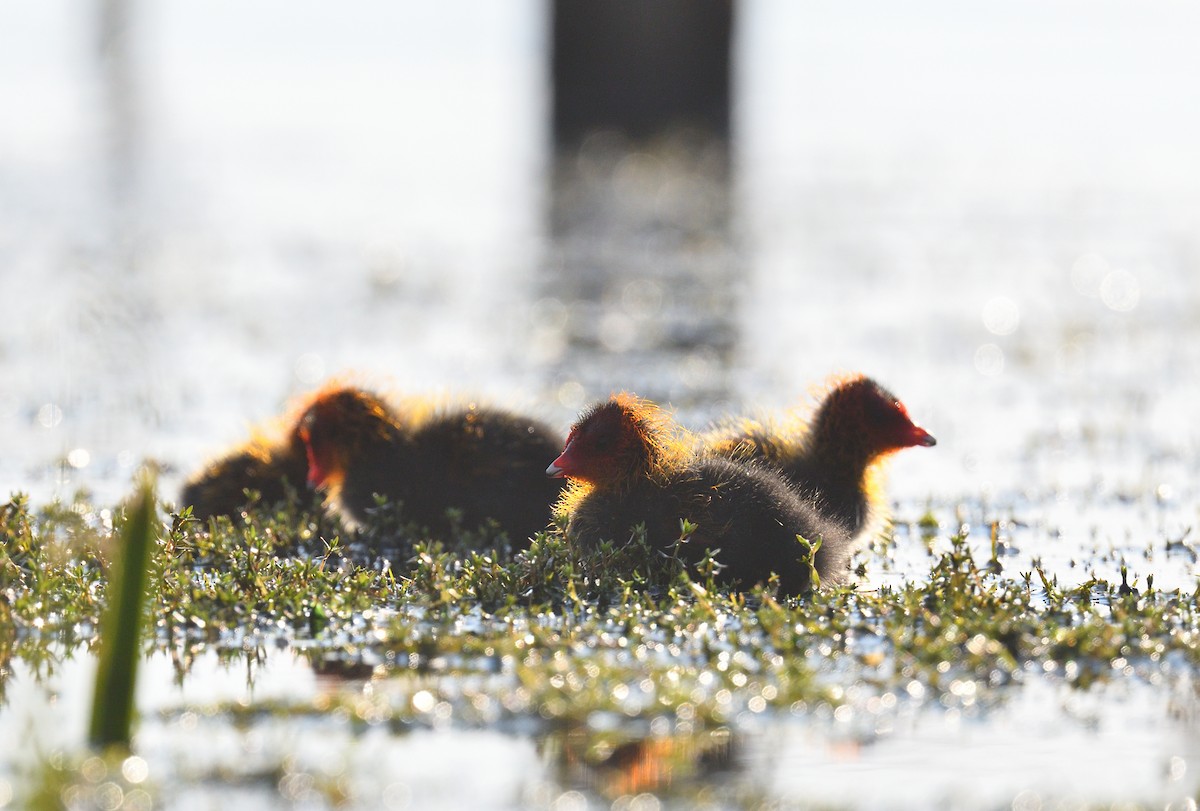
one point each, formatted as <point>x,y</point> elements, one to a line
<point>641,66</point>
<point>641,268</point>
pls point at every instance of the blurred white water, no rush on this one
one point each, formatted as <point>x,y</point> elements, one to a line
<point>284,193</point>
<point>1042,745</point>
<point>230,203</point>
<point>993,209</point>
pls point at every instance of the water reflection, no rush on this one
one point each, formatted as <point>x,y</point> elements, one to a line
<point>263,729</point>
<point>614,764</point>
<point>120,105</point>
<point>641,285</point>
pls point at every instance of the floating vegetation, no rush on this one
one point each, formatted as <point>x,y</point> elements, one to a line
<point>627,685</point>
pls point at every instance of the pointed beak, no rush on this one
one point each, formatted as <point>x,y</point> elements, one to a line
<point>559,467</point>
<point>922,437</point>
<point>317,474</point>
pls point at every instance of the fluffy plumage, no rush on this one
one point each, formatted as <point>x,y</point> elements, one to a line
<point>837,456</point>
<point>484,462</point>
<point>631,466</point>
<point>271,463</point>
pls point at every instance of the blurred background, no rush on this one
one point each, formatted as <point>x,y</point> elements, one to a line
<point>994,209</point>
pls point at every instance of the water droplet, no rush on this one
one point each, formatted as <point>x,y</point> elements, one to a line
<point>108,796</point>
<point>49,415</point>
<point>570,801</point>
<point>645,802</point>
<point>93,770</point>
<point>642,298</point>
<point>397,796</point>
<point>989,360</point>
<point>1001,316</point>
<point>79,458</point>
<point>1120,291</point>
<point>135,769</point>
<point>570,395</point>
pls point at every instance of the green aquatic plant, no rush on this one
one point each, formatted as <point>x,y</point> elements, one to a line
<point>121,628</point>
<point>413,631</point>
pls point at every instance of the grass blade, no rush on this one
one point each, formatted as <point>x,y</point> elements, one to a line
<point>121,628</point>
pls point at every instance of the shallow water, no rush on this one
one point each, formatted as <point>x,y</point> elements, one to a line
<point>261,729</point>
<point>996,212</point>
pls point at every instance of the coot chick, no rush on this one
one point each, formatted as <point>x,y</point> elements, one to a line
<point>837,457</point>
<point>484,463</point>
<point>631,466</point>
<point>273,466</point>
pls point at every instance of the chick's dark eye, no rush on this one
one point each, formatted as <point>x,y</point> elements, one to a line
<point>880,409</point>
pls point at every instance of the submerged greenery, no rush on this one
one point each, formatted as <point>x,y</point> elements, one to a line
<point>609,662</point>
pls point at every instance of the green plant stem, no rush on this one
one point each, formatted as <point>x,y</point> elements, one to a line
<point>121,628</point>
